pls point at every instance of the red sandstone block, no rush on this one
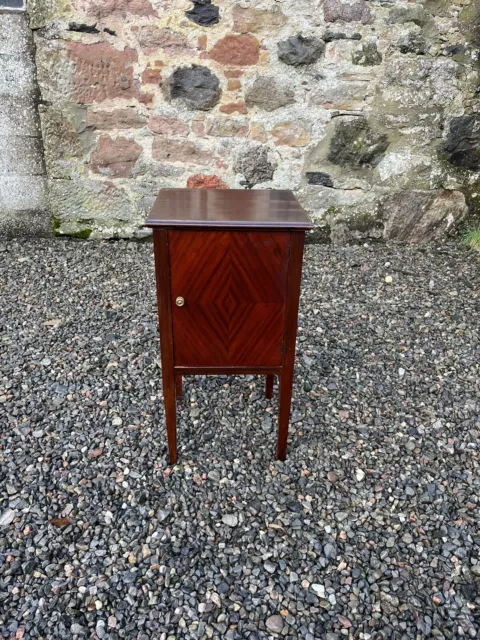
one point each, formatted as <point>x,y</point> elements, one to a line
<point>201,181</point>
<point>172,150</point>
<point>240,51</point>
<point>166,125</point>
<point>115,157</point>
<point>232,107</point>
<point>101,72</point>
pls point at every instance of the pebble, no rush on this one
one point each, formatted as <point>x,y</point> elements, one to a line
<point>230,520</point>
<point>359,475</point>
<point>275,624</point>
<point>319,589</point>
<point>7,517</point>
<point>163,514</point>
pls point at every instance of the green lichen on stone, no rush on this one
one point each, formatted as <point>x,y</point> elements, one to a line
<point>363,221</point>
<point>56,226</point>
<point>84,234</point>
<point>469,19</point>
<point>355,144</point>
<point>78,229</point>
<point>367,55</point>
<point>41,12</point>
<point>355,224</point>
<point>333,212</point>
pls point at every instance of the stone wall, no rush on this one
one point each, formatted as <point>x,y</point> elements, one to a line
<point>23,193</point>
<point>368,110</point>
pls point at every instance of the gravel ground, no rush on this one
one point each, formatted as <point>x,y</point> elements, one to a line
<point>370,529</point>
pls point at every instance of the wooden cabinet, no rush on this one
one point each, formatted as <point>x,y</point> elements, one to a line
<point>228,268</point>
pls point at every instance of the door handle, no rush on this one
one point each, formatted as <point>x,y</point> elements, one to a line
<point>180,301</point>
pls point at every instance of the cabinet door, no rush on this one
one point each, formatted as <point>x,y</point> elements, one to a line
<point>234,287</point>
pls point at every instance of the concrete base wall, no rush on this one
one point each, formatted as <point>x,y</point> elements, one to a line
<point>24,208</point>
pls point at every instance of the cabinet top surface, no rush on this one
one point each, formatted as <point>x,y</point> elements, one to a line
<point>238,208</point>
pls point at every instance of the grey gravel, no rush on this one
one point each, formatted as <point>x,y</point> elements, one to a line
<point>100,538</point>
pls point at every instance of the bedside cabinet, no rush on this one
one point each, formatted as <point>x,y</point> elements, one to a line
<point>228,269</point>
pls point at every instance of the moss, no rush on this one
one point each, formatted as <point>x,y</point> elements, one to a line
<point>366,216</point>
<point>364,221</point>
<point>367,56</point>
<point>471,238</point>
<point>333,212</point>
<point>83,233</point>
<point>56,226</point>
<point>469,19</point>
<point>41,12</point>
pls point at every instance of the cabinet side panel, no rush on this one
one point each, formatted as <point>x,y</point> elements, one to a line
<point>162,273</point>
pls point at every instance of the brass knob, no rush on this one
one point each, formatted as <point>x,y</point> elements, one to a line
<point>180,301</point>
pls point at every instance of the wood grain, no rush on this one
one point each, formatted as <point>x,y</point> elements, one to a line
<point>269,386</point>
<point>232,208</point>
<point>234,285</point>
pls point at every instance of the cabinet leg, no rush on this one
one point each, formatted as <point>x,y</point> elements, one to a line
<point>170,415</point>
<point>269,387</point>
<point>286,384</point>
<point>178,386</point>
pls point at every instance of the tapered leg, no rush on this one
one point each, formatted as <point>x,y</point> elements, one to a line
<point>286,384</point>
<point>269,386</point>
<point>178,384</point>
<point>286,377</point>
<point>170,401</point>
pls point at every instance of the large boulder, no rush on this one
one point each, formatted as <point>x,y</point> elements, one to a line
<point>422,216</point>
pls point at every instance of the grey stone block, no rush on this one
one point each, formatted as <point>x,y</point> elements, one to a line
<point>20,193</point>
<point>30,222</point>
<point>15,34</point>
<point>18,117</point>
<point>21,155</point>
<point>17,76</point>
<point>90,199</point>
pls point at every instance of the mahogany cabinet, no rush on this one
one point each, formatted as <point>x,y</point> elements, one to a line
<point>228,268</point>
